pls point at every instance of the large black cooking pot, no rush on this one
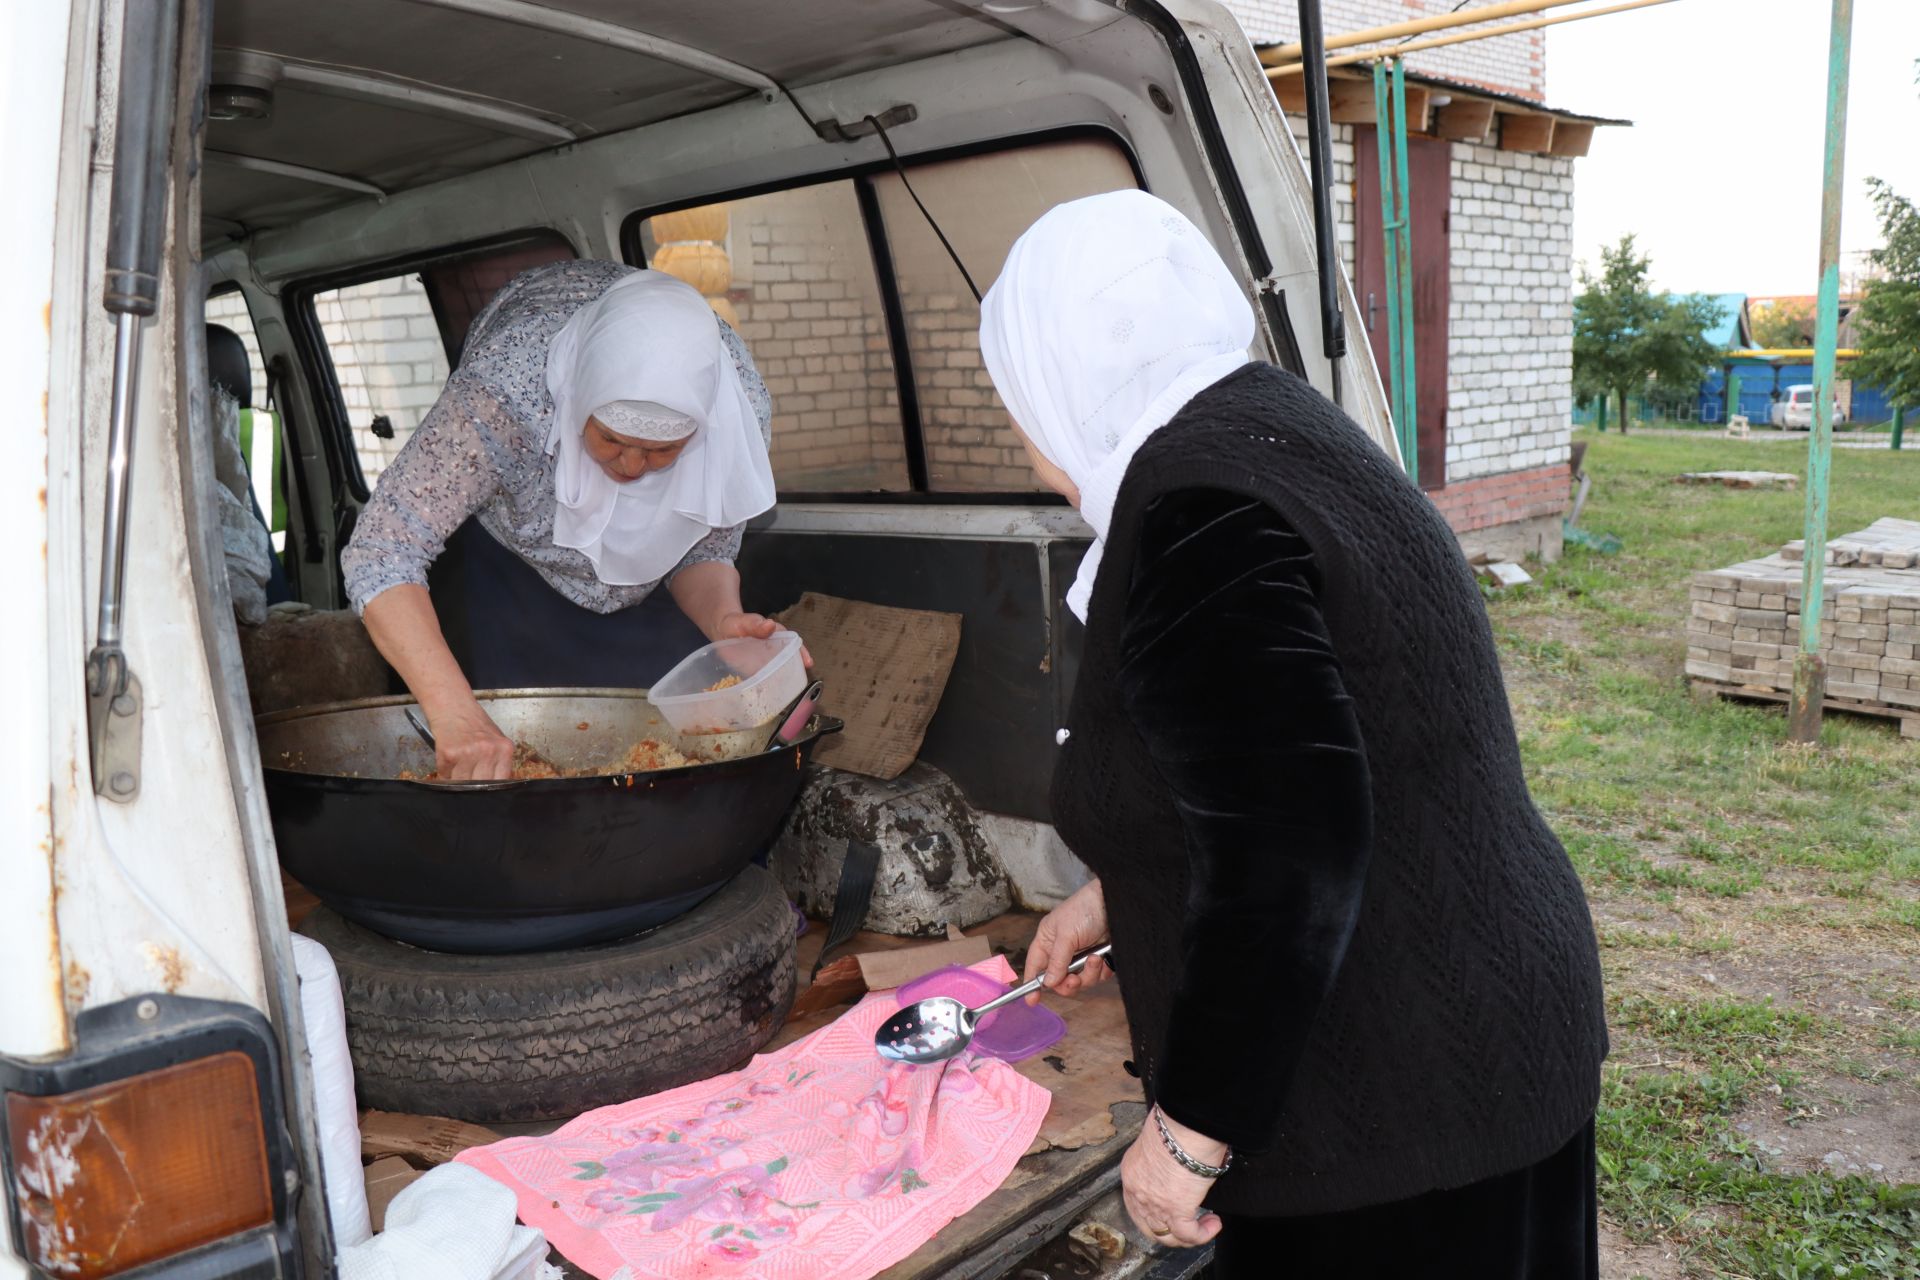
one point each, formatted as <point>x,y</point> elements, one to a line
<point>524,865</point>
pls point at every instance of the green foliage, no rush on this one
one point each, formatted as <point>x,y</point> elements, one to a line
<point>1624,334</point>
<point>1888,320</point>
<point>1783,324</point>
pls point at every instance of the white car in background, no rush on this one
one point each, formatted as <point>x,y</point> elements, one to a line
<point>1795,412</point>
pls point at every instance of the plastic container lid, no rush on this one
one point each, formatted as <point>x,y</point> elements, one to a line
<point>769,675</point>
<point>1016,1031</point>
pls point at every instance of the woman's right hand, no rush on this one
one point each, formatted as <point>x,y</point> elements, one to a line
<point>1070,928</point>
<point>468,746</point>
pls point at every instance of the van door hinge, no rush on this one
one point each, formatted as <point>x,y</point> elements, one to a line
<point>114,712</point>
<point>1268,284</point>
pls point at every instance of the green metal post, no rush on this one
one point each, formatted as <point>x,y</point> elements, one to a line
<point>1809,668</point>
<point>1382,136</point>
<point>1899,424</point>
<point>1403,228</point>
<point>1601,422</point>
<point>1733,396</point>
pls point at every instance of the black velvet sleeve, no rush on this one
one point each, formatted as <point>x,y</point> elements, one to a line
<point>1229,677</point>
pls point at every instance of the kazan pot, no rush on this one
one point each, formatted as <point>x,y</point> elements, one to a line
<point>521,865</point>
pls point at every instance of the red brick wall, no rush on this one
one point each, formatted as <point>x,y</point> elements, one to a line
<point>1504,499</point>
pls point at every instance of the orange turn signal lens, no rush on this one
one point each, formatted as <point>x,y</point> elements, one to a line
<point>124,1173</point>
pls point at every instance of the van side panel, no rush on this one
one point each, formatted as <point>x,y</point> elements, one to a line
<point>34,39</point>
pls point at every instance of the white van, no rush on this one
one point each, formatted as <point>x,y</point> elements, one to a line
<point>278,163</point>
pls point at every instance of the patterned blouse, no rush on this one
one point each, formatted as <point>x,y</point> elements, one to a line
<point>481,451</point>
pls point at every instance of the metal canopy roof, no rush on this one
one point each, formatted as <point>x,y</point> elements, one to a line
<point>380,95</point>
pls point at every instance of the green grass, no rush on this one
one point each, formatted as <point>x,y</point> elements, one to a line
<point>1703,818</point>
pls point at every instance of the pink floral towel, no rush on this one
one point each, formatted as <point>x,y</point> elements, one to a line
<point>818,1162</point>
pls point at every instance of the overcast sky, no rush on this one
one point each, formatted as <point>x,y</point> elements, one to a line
<point>1719,179</point>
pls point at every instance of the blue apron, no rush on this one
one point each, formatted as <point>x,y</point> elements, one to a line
<point>509,629</point>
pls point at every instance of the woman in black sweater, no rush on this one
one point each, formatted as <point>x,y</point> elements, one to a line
<point>1359,970</point>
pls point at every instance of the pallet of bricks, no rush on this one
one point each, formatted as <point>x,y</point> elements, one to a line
<point>1744,628</point>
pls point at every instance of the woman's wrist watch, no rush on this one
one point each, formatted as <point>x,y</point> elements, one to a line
<point>1179,1152</point>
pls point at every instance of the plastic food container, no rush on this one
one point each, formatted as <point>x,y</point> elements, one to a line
<point>766,675</point>
<point>1010,1033</point>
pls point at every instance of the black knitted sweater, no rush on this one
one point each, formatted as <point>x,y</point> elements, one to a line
<point>1347,941</point>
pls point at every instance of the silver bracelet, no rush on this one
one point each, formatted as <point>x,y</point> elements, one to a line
<point>1186,1161</point>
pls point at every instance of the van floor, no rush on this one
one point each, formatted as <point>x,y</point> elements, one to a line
<point>1096,1113</point>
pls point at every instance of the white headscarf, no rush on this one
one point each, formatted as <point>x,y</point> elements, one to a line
<point>651,339</point>
<point>1111,313</point>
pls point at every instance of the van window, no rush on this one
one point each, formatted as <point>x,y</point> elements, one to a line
<point>389,359</point>
<point>799,268</point>
<point>982,203</point>
<point>793,272</point>
<point>260,437</point>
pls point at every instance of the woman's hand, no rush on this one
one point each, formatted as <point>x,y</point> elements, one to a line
<point>1162,1196</point>
<point>1070,928</point>
<point>468,746</point>
<point>709,594</point>
<point>756,626</point>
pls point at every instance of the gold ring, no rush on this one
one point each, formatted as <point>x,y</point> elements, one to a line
<point>1160,1231</point>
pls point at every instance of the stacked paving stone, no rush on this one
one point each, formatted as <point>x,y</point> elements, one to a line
<point>1745,626</point>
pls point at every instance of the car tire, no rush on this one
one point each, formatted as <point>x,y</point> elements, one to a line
<point>495,1039</point>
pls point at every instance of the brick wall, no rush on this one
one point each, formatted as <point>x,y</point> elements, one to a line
<point>1514,64</point>
<point>810,313</point>
<point>1510,316</point>
<point>386,351</point>
<point>388,358</point>
<point>1508,498</point>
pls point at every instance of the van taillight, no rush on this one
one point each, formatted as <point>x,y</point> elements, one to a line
<point>122,1174</point>
<point>159,1137</point>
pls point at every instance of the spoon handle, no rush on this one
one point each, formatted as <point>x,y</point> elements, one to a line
<point>1028,988</point>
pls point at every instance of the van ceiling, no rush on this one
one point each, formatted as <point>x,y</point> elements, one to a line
<point>370,97</point>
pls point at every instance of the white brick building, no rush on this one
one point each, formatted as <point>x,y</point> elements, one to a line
<point>1494,277</point>
<point>386,351</point>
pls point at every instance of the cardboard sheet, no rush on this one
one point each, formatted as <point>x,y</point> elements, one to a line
<point>884,669</point>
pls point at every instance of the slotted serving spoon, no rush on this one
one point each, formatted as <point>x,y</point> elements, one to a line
<point>934,1029</point>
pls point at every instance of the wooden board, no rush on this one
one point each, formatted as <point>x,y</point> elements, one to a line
<point>1520,132</point>
<point>1085,1071</point>
<point>884,670</point>
<point>1741,479</point>
<point>1466,120</point>
<point>300,900</point>
<point>1570,138</point>
<point>1909,718</point>
<point>423,1141</point>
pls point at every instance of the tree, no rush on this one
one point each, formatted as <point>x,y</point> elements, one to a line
<point>1625,334</point>
<point>1783,324</point>
<point>1887,321</point>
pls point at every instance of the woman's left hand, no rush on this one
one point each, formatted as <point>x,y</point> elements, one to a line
<point>752,626</point>
<point>1163,1198</point>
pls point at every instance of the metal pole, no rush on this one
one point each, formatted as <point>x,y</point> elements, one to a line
<point>1403,228</point>
<point>1733,396</point>
<point>1463,37</point>
<point>1809,668</point>
<point>1390,244</point>
<point>1899,424</point>
<point>1412,27</point>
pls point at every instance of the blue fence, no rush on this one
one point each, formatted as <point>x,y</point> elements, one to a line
<point>1761,384</point>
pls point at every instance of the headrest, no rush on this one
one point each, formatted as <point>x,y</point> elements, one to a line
<point>228,365</point>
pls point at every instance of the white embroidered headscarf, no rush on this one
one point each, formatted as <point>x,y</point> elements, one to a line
<point>652,345</point>
<point>1111,313</point>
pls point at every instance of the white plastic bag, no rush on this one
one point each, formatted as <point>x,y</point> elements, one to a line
<point>324,1011</point>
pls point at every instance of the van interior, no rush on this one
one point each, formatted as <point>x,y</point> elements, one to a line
<point>374,171</point>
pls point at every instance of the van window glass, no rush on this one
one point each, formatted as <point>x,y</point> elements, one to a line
<point>982,203</point>
<point>793,272</point>
<point>260,438</point>
<point>389,358</point>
